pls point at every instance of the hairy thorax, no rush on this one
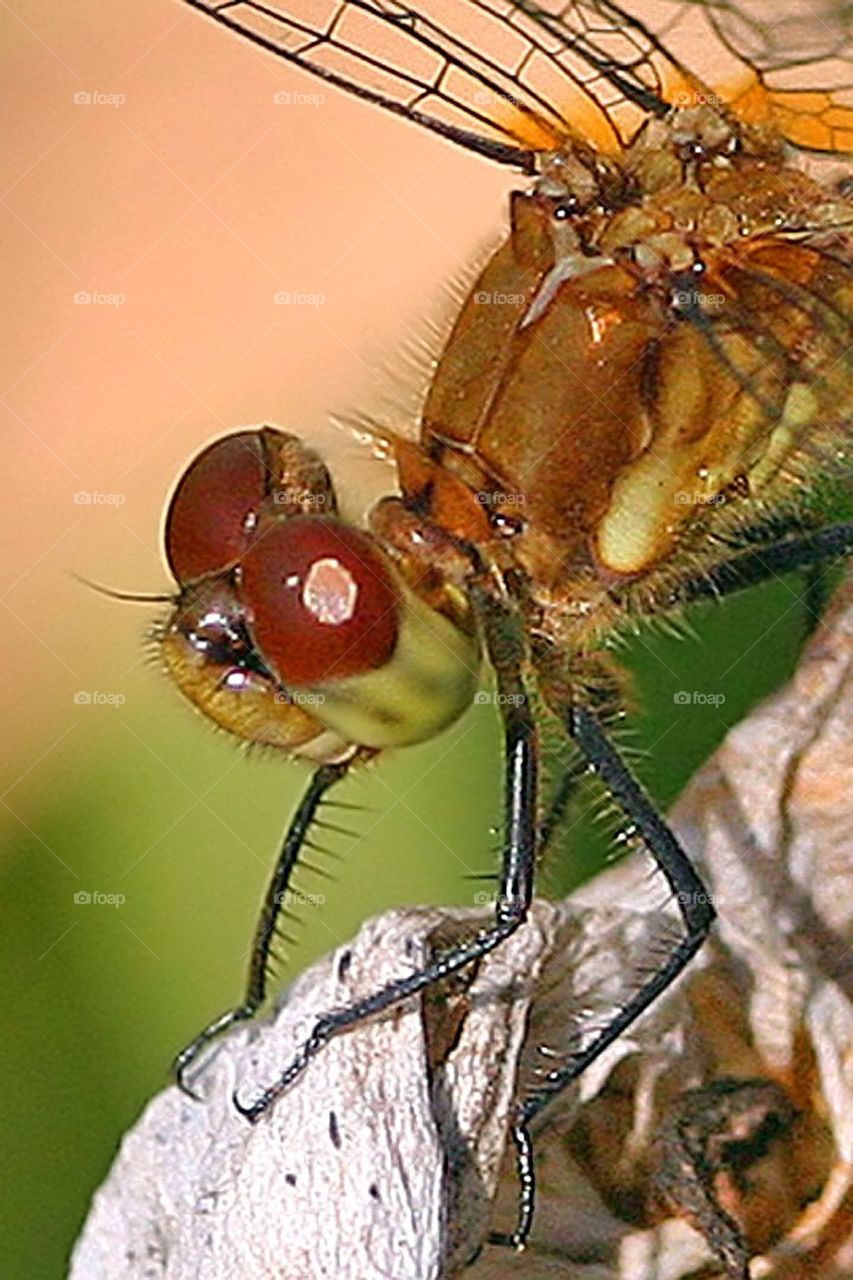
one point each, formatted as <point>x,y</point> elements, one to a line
<point>660,335</point>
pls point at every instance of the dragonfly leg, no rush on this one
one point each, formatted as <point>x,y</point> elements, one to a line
<point>504,640</point>
<point>294,842</point>
<point>820,549</point>
<point>697,915</point>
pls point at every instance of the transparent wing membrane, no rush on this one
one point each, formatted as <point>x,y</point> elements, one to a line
<point>509,78</point>
<point>463,79</point>
<point>513,74</point>
<point>799,66</point>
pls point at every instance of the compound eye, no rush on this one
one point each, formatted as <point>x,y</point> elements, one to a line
<point>214,508</point>
<point>321,602</point>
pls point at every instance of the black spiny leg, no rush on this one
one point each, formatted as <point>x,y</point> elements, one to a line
<point>696,912</point>
<point>747,568</point>
<point>505,646</point>
<point>814,552</point>
<point>555,815</point>
<point>294,841</point>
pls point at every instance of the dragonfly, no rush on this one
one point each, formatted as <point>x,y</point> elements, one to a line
<point>634,408</point>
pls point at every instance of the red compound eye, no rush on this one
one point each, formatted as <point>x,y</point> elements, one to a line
<point>321,602</point>
<point>213,510</point>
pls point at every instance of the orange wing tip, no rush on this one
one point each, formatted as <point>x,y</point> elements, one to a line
<point>814,119</point>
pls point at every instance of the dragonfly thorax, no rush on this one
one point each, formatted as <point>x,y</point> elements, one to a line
<point>654,339</point>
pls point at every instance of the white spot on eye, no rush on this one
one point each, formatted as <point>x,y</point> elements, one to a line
<point>330,592</point>
<point>236,679</point>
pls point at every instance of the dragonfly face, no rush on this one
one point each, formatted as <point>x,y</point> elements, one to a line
<point>638,391</point>
<point>294,628</point>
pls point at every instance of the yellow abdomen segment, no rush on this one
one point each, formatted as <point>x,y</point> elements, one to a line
<point>731,406</point>
<point>429,681</point>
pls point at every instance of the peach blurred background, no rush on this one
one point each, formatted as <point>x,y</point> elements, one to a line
<point>190,200</point>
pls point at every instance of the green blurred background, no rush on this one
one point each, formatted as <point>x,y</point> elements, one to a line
<point>194,200</point>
